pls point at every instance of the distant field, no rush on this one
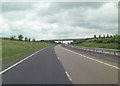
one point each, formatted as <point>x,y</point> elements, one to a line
<point>99,45</point>
<point>12,50</point>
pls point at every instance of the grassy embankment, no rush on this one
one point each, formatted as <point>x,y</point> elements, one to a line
<point>99,45</point>
<point>108,42</point>
<point>12,50</point>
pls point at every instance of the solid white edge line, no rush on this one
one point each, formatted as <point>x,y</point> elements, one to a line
<point>68,76</point>
<point>20,61</point>
<point>93,59</point>
<point>58,58</point>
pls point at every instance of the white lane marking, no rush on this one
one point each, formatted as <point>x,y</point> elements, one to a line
<point>93,59</point>
<point>58,58</point>
<point>20,61</point>
<point>68,76</point>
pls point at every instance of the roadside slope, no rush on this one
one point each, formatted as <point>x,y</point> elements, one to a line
<point>12,50</point>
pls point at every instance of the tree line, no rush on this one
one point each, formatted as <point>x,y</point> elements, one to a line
<point>26,39</point>
<point>21,38</point>
<point>100,39</point>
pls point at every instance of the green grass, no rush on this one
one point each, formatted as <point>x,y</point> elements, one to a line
<point>12,50</point>
<point>99,45</point>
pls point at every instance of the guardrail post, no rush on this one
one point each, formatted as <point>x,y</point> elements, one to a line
<point>114,53</point>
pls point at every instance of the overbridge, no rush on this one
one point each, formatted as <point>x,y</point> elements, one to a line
<point>62,39</point>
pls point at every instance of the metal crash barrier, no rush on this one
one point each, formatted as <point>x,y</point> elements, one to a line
<point>99,50</point>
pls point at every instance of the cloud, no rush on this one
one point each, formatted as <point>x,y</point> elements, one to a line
<point>54,20</point>
<point>69,5</point>
<point>16,6</point>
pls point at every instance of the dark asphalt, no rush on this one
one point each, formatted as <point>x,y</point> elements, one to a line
<point>42,68</point>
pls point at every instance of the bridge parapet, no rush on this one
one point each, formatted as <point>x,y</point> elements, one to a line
<point>62,40</point>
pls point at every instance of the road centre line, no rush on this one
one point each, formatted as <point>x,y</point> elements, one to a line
<point>92,59</point>
<point>20,61</point>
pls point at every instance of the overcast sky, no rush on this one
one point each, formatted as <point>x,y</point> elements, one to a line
<point>55,20</point>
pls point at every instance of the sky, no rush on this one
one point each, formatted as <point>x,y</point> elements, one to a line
<point>58,20</point>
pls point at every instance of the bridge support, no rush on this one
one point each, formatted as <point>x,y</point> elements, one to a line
<point>62,42</point>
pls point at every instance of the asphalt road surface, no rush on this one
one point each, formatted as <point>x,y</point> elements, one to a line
<point>58,65</point>
<point>42,68</point>
<point>84,69</point>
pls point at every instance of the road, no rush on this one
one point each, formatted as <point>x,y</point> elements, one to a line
<point>42,68</point>
<point>86,69</point>
<point>59,65</point>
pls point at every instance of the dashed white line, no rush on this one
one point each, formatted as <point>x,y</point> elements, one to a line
<point>93,59</point>
<point>20,61</point>
<point>68,76</point>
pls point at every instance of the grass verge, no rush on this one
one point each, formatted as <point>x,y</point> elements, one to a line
<point>12,50</point>
<point>99,45</point>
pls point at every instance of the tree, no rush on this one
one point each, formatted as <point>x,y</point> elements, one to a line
<point>12,38</point>
<point>94,36</point>
<point>71,43</point>
<point>29,39</point>
<point>99,36</point>
<point>111,36</point>
<point>33,40</point>
<point>59,43</point>
<point>26,39</point>
<point>119,40</point>
<point>20,37</point>
<point>107,36</point>
<point>42,41</point>
<point>103,36</point>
